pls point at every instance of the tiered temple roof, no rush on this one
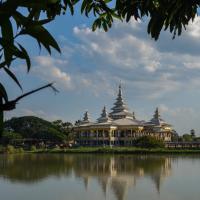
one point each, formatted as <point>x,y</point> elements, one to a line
<point>120,109</point>
<point>104,116</point>
<point>157,120</point>
<point>86,118</point>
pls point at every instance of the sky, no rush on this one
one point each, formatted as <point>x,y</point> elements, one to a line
<point>164,74</point>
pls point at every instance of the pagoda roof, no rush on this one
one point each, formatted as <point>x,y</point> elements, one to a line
<point>127,122</point>
<point>117,122</point>
<point>86,119</point>
<point>122,113</point>
<point>157,120</point>
<point>104,116</point>
<point>85,124</point>
<point>120,109</point>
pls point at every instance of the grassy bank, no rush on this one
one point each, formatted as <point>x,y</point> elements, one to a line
<point>119,150</point>
<point>114,150</point>
<point>10,149</point>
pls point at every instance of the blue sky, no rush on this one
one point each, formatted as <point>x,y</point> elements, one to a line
<point>165,73</point>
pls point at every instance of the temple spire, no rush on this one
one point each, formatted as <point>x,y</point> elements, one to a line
<point>134,115</point>
<point>157,120</point>
<point>86,118</point>
<point>104,116</point>
<point>120,110</point>
<point>157,114</point>
<point>104,112</point>
<point>120,90</point>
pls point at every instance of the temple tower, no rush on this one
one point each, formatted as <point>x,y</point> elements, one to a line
<point>86,118</point>
<point>120,109</point>
<point>104,116</point>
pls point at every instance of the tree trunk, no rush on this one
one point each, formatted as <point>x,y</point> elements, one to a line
<point>1,118</point>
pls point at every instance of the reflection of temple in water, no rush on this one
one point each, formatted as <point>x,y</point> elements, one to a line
<point>120,173</point>
<point>117,173</point>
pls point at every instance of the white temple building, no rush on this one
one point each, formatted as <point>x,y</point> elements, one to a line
<point>120,127</point>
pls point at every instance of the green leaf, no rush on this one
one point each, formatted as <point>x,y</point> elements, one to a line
<point>83,6</point>
<point>26,57</point>
<point>116,16</point>
<point>7,37</point>
<point>20,19</point>
<point>7,30</point>
<point>7,70</point>
<point>105,26</point>
<point>95,24</point>
<point>3,64</point>
<point>3,93</point>
<point>42,36</point>
<point>38,4</point>
<point>70,5</point>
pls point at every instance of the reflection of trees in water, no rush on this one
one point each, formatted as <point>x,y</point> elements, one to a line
<point>32,168</point>
<point>118,172</point>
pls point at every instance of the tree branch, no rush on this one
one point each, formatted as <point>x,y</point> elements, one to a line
<point>10,105</point>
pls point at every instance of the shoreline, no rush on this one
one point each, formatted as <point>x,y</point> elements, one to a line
<point>106,150</point>
<point>121,150</point>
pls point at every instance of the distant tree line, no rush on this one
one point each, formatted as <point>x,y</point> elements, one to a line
<point>36,128</point>
<point>186,137</point>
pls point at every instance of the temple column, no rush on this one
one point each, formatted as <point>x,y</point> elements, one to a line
<point>103,137</point>
<point>109,137</point>
<point>131,137</point>
<point>96,137</point>
<point>118,136</point>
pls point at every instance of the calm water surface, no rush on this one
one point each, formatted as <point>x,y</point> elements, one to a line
<point>99,177</point>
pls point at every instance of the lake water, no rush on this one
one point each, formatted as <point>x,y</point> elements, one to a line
<point>99,177</point>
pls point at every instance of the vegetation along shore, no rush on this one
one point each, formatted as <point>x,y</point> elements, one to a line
<point>99,150</point>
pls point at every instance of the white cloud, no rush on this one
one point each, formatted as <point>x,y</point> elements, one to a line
<point>126,51</point>
<point>192,64</point>
<point>47,68</point>
<point>178,111</point>
<point>54,70</point>
<point>194,28</point>
<point>130,55</point>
